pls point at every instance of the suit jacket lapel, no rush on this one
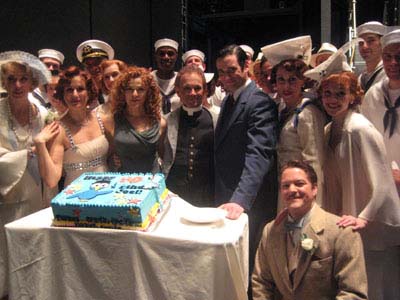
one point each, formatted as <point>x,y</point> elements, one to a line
<point>278,245</point>
<point>173,127</point>
<point>314,227</point>
<point>237,110</point>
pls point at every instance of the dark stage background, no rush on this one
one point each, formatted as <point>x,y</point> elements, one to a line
<point>132,26</point>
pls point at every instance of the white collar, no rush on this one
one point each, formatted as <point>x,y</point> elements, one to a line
<point>191,110</point>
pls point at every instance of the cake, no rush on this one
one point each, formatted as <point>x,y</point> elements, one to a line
<point>111,200</point>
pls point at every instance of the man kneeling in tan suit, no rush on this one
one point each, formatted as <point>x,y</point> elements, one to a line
<point>303,253</point>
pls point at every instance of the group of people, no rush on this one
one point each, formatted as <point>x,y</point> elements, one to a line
<point>289,137</point>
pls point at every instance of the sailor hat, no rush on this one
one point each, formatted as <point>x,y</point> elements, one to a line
<point>193,52</point>
<point>325,48</point>
<point>51,53</point>
<point>248,50</point>
<point>296,48</point>
<point>94,48</point>
<point>371,27</point>
<point>392,37</point>
<point>166,43</point>
<point>208,76</point>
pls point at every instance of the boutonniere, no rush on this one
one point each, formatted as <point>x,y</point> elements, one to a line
<point>307,243</point>
<point>51,117</point>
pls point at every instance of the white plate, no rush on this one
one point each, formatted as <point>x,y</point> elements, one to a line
<point>203,214</point>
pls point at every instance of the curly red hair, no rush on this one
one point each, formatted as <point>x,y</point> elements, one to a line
<point>152,105</point>
<point>347,80</point>
<point>66,78</point>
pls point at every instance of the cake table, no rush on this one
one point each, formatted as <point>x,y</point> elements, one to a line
<point>175,260</point>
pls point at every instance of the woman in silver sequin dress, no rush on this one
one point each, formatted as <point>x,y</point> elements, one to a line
<point>78,143</point>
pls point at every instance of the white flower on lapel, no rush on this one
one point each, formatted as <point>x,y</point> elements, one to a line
<point>307,243</point>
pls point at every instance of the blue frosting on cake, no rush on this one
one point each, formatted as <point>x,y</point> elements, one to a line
<point>109,200</point>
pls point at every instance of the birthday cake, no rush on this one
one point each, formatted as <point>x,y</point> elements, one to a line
<point>111,200</point>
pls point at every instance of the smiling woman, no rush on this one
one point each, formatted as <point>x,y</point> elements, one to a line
<point>77,144</point>
<point>301,122</point>
<point>358,182</point>
<point>136,124</point>
<point>20,121</point>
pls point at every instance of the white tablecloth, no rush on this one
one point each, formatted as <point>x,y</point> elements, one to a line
<point>176,260</point>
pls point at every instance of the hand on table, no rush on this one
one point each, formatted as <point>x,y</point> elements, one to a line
<point>355,223</point>
<point>234,210</point>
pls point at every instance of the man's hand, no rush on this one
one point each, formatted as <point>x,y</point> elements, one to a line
<point>234,210</point>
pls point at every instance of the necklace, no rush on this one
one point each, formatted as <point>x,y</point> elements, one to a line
<point>11,123</point>
<point>82,123</point>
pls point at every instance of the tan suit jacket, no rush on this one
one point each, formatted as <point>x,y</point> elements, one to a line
<point>334,270</point>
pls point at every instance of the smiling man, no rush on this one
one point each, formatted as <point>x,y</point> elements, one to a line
<point>303,253</point>
<point>245,147</point>
<point>381,104</point>
<point>189,143</point>
<point>166,54</point>
<point>370,50</point>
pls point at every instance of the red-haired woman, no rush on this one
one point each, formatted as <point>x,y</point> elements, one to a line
<point>79,145</point>
<point>110,71</point>
<point>358,182</point>
<point>137,126</point>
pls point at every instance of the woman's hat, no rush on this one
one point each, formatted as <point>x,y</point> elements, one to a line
<point>336,63</point>
<point>296,48</point>
<point>39,69</point>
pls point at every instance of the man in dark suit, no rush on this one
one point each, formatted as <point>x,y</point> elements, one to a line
<point>245,140</point>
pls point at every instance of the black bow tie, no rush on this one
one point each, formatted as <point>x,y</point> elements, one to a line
<point>391,115</point>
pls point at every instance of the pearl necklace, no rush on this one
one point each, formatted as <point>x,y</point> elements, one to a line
<point>11,123</point>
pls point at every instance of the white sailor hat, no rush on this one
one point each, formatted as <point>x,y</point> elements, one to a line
<point>248,50</point>
<point>336,63</point>
<point>166,43</point>
<point>325,48</point>
<point>392,37</point>
<point>52,54</point>
<point>208,76</point>
<point>94,48</point>
<point>259,56</point>
<point>39,69</point>
<point>193,52</point>
<point>296,48</point>
<point>371,27</point>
